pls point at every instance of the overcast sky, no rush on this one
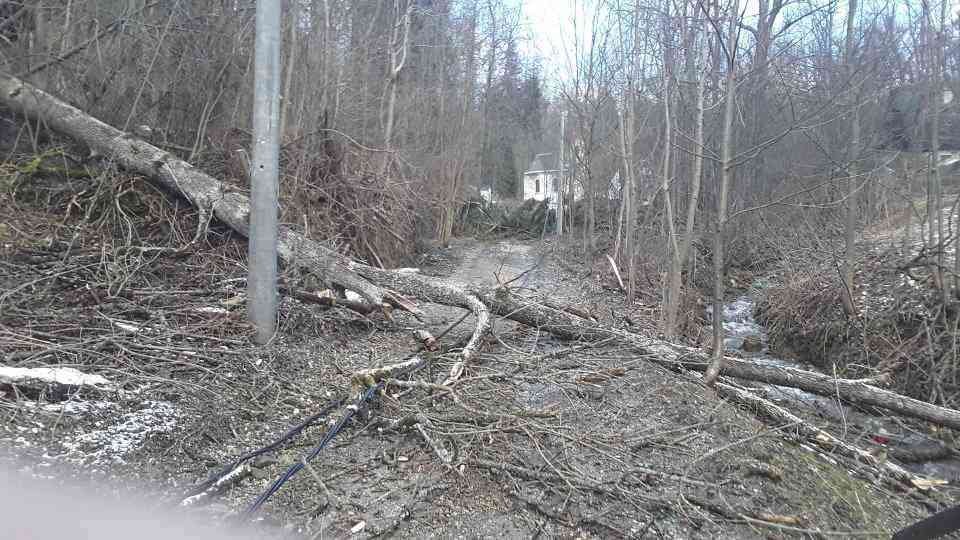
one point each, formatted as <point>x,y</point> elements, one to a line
<point>549,28</point>
<point>545,21</point>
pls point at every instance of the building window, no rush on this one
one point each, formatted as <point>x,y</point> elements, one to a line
<point>556,185</point>
<point>538,185</point>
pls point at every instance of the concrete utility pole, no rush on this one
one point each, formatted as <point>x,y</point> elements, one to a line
<point>563,117</point>
<point>264,170</point>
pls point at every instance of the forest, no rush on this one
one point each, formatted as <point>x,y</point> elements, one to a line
<point>565,269</point>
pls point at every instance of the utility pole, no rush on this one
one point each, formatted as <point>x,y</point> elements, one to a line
<point>562,186</point>
<point>264,171</point>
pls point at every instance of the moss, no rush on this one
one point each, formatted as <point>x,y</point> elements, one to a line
<point>41,164</point>
<point>848,497</point>
<point>828,496</point>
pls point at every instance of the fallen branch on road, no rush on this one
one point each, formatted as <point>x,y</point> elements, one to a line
<point>566,325</point>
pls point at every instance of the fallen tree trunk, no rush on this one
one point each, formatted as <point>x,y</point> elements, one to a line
<point>380,286</point>
<point>208,194</point>
<point>569,326</point>
<point>818,436</point>
<point>212,196</point>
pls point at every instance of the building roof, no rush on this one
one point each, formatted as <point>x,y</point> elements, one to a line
<point>542,162</point>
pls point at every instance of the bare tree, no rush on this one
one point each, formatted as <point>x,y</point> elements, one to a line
<point>933,38</point>
<point>670,297</point>
<point>853,150</point>
<point>291,64</point>
<point>726,177</point>
<point>675,278</point>
<point>400,45</point>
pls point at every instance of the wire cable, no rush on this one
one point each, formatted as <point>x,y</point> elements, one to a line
<point>327,437</point>
<point>290,433</point>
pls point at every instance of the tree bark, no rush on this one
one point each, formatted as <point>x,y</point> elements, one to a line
<point>626,182</point>
<point>671,289</point>
<point>694,201</point>
<point>935,182</point>
<point>454,168</point>
<point>817,436</point>
<point>632,199</point>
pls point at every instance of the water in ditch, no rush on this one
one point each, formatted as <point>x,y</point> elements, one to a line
<point>855,426</point>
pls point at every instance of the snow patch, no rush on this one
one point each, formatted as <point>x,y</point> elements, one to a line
<point>110,444</point>
<point>211,310</point>
<point>60,375</point>
<point>127,327</point>
<point>72,407</point>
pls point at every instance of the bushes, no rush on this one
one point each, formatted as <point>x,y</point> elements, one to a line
<point>478,217</point>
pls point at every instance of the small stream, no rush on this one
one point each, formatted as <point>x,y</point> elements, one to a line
<point>851,424</point>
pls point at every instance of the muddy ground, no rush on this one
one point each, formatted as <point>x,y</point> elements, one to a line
<point>546,438</point>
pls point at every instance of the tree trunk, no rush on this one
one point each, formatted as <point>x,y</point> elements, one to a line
<point>936,181</point>
<point>694,201</point>
<point>671,289</point>
<point>632,199</point>
<point>853,150</point>
<point>590,245</point>
<point>568,326</point>
<point>455,170</point>
<point>626,183</point>
<point>563,182</point>
<point>211,196</point>
<point>726,175</point>
<point>287,96</point>
<point>398,58</point>
<point>41,42</point>
<point>487,86</point>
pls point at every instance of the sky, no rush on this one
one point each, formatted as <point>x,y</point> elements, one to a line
<point>549,25</point>
<point>544,22</point>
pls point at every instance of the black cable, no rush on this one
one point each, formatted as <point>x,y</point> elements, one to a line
<point>290,433</point>
<point>935,526</point>
<point>327,437</point>
<point>370,393</point>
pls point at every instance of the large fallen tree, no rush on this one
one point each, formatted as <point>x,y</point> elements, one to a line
<point>388,288</point>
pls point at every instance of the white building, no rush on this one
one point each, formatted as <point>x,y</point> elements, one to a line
<point>541,181</point>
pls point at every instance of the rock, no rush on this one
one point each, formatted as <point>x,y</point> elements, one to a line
<point>752,344</point>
